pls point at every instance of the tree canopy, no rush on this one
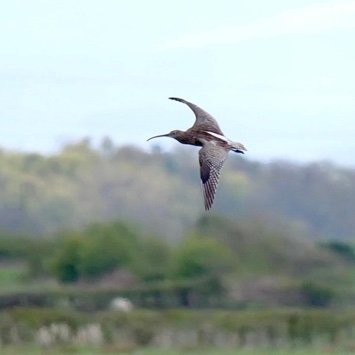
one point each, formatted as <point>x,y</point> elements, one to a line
<point>41,194</point>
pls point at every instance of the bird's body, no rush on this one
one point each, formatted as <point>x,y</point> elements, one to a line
<point>215,147</point>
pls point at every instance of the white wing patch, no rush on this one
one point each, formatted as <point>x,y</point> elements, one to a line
<point>223,138</point>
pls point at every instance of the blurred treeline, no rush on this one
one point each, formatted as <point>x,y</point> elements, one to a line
<point>125,219</point>
<point>225,284</point>
<point>218,263</point>
<point>160,191</point>
<point>81,227</point>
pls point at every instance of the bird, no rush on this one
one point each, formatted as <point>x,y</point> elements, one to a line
<point>207,134</point>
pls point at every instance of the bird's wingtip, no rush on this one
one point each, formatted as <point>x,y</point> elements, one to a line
<point>176,99</point>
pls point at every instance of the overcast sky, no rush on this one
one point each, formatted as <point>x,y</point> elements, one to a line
<point>278,75</point>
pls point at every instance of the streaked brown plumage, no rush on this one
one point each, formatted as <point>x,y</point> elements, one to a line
<point>215,147</point>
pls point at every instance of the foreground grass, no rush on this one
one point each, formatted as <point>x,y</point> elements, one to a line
<point>147,332</point>
<point>32,350</point>
<point>310,351</point>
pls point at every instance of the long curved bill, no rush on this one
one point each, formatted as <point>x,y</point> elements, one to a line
<point>160,135</point>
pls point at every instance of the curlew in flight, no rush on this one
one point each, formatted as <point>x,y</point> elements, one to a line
<point>215,147</point>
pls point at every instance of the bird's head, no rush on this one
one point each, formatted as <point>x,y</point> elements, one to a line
<point>173,134</point>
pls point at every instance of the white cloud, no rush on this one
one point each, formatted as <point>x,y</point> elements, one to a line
<point>312,19</point>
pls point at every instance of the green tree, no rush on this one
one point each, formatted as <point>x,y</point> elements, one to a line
<point>106,247</point>
<point>95,251</point>
<point>152,262</point>
<point>198,256</point>
<point>65,264</point>
<point>201,263</point>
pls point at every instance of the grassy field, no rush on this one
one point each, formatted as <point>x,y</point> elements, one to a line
<point>16,350</point>
<point>12,275</point>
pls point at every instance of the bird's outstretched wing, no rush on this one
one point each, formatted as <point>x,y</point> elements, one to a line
<point>204,121</point>
<point>211,158</point>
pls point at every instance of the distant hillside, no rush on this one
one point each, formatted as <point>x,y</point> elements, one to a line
<point>161,191</point>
